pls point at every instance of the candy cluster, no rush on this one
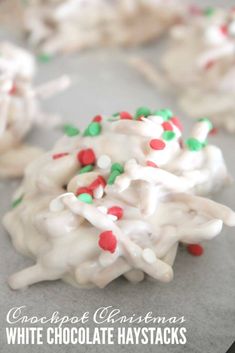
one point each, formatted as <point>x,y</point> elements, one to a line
<point>19,107</point>
<point>65,26</point>
<point>117,199</point>
<point>200,61</point>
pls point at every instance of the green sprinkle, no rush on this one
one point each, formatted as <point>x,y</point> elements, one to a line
<point>112,177</point>
<point>194,145</point>
<point>117,167</point>
<point>44,57</point>
<point>116,114</point>
<point>142,111</point>
<point>208,122</point>
<point>168,135</point>
<point>86,169</point>
<point>86,198</point>
<point>16,202</point>
<point>209,11</point>
<point>93,129</point>
<point>166,114</point>
<point>70,130</point>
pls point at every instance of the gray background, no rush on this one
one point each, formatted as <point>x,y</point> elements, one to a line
<point>203,289</point>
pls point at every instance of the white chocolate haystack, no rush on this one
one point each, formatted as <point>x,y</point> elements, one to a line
<point>19,108</point>
<point>200,64</point>
<point>64,26</point>
<point>117,200</point>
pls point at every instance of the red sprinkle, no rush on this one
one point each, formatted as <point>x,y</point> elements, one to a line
<point>167,126</point>
<point>13,90</point>
<point>97,119</point>
<point>214,131</point>
<point>151,164</point>
<point>116,211</point>
<point>176,121</point>
<point>156,144</point>
<point>224,29</point>
<point>86,157</point>
<point>97,182</point>
<point>83,190</point>
<point>60,155</point>
<point>126,115</point>
<point>195,249</point>
<point>209,64</point>
<point>108,241</point>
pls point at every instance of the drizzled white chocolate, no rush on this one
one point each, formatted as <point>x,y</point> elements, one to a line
<point>200,60</point>
<point>128,213</point>
<point>65,26</point>
<point>19,108</point>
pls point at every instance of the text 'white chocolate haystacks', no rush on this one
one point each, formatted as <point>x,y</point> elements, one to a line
<point>200,61</point>
<point>19,108</point>
<point>64,26</point>
<point>117,200</point>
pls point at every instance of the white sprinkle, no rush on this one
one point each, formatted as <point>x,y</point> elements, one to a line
<point>104,161</point>
<point>98,192</point>
<point>149,255</point>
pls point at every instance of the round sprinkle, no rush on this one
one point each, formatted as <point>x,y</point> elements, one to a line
<point>117,167</point>
<point>13,90</point>
<point>97,119</point>
<point>167,126</point>
<point>166,114</point>
<point>86,198</point>
<point>206,120</point>
<point>88,168</point>
<point>17,201</point>
<point>214,131</point>
<point>168,135</point>
<point>112,177</point>
<point>176,121</point>
<point>83,190</point>
<point>151,164</point>
<point>93,129</point>
<point>99,181</point>
<point>157,144</point>
<point>126,115</point>
<point>108,241</point>
<point>149,256</point>
<point>60,155</point>
<point>70,130</point>
<point>104,161</point>
<point>209,11</point>
<point>86,157</point>
<point>195,249</point>
<point>44,57</point>
<point>116,211</point>
<point>194,145</point>
<point>142,111</point>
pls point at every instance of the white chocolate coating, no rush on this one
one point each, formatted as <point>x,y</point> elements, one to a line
<point>19,108</point>
<point>65,26</point>
<point>199,63</point>
<point>147,209</point>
